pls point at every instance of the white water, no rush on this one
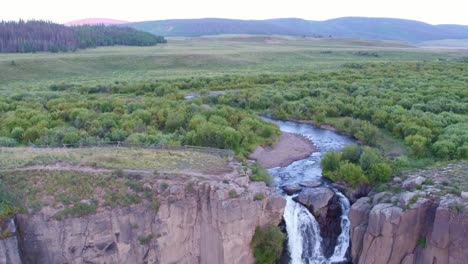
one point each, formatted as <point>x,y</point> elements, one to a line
<point>304,239</point>
<point>342,243</point>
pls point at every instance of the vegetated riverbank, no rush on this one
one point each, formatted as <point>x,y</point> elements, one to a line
<point>290,147</point>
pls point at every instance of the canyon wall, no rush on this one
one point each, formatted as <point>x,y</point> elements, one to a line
<point>407,228</point>
<point>210,222</point>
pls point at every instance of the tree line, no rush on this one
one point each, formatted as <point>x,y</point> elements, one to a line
<point>37,36</point>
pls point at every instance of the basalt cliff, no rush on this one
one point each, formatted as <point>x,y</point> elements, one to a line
<point>422,219</point>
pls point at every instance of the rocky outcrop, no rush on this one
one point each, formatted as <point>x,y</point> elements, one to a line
<point>409,228</point>
<point>324,204</point>
<point>423,218</point>
<point>315,199</point>
<point>205,223</point>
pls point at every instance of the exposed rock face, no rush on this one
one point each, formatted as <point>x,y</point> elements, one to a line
<point>411,229</point>
<point>203,225</point>
<point>9,248</point>
<point>423,224</point>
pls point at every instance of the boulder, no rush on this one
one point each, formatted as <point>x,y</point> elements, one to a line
<point>315,198</point>
<point>397,180</point>
<point>324,204</point>
<point>406,198</point>
<point>382,197</point>
<point>291,189</point>
<point>464,195</point>
<point>413,182</point>
<point>310,184</point>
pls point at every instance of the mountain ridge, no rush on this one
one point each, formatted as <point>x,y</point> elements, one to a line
<point>405,30</point>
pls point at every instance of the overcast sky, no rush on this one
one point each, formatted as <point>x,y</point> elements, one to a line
<point>430,11</point>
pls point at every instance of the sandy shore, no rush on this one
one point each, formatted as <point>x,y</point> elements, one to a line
<point>290,147</point>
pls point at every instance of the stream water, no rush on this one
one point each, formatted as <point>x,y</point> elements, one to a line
<point>304,239</point>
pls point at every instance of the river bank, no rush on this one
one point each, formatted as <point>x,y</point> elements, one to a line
<point>290,147</point>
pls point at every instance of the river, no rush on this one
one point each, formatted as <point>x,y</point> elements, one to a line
<point>304,239</point>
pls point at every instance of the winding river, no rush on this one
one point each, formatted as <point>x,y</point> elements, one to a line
<point>304,240</point>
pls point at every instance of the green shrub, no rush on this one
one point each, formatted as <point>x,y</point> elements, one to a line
<point>369,157</point>
<point>77,210</point>
<point>145,240</point>
<point>457,207</point>
<point>422,242</point>
<point>379,172</point>
<point>164,186</point>
<point>8,142</point>
<point>189,188</point>
<point>350,173</point>
<point>259,197</point>
<point>7,201</point>
<point>267,244</point>
<point>121,198</point>
<point>351,152</point>
<point>260,174</point>
<point>417,144</point>
<point>330,161</point>
<point>233,194</point>
<point>413,199</point>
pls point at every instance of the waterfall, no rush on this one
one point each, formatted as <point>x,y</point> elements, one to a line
<point>342,243</point>
<point>304,240</point>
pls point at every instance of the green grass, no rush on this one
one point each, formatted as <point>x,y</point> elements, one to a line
<point>194,57</point>
<point>77,210</point>
<point>261,174</point>
<point>113,158</point>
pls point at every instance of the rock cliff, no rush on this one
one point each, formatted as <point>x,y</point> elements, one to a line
<point>205,221</point>
<point>9,249</point>
<point>421,224</point>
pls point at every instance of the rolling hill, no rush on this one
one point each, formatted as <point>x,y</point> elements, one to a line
<point>349,27</point>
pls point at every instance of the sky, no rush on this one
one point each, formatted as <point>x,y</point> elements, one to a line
<point>61,11</point>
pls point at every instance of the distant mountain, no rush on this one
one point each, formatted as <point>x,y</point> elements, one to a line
<point>348,27</point>
<point>95,21</point>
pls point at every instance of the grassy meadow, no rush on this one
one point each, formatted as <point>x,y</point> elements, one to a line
<point>206,57</point>
<point>408,106</point>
